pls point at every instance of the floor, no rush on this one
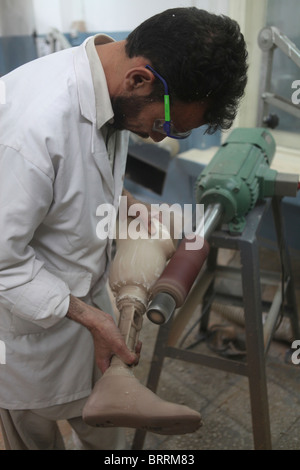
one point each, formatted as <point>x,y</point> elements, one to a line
<point>223,398</point>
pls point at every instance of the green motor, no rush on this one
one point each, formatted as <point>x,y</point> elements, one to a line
<point>239,175</point>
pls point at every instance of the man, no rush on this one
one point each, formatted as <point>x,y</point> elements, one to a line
<point>63,146</point>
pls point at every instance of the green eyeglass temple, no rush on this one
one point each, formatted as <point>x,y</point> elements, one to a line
<point>166,127</point>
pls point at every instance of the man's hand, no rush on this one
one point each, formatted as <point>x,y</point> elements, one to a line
<point>145,219</point>
<point>106,335</point>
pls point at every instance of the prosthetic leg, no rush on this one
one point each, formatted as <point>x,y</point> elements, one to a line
<point>118,398</point>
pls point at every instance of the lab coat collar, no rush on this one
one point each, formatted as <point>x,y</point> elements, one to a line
<point>103,102</point>
<point>85,87</point>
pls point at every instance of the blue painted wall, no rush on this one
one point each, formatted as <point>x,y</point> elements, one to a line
<point>16,51</point>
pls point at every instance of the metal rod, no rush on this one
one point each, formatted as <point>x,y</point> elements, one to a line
<point>272,318</point>
<point>210,221</point>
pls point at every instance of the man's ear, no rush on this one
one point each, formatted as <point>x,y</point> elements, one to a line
<point>139,79</point>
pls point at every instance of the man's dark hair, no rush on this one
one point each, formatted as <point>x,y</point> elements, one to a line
<point>200,55</point>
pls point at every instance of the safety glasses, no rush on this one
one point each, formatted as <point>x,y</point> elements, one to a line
<point>166,126</point>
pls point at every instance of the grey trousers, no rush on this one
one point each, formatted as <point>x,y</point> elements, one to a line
<point>38,430</point>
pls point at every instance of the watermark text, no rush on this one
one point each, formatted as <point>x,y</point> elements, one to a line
<point>296,93</point>
<point>2,353</point>
<point>2,92</point>
<point>296,354</point>
<point>166,221</point>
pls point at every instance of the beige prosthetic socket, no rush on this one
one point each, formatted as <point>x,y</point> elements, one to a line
<point>118,398</point>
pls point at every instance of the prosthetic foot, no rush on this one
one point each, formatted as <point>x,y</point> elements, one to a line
<point>118,398</point>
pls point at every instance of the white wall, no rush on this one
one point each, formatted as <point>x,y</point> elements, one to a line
<point>112,15</point>
<point>47,15</point>
<point>16,17</point>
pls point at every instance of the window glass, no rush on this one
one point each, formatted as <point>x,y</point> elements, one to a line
<point>285,73</point>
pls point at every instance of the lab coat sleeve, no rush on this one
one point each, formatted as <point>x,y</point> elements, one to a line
<point>27,289</point>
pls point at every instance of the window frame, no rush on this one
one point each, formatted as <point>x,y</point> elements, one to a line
<point>251,16</point>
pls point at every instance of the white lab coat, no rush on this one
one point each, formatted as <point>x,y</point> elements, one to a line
<point>54,173</point>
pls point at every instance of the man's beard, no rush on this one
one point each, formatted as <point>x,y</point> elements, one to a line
<point>127,109</point>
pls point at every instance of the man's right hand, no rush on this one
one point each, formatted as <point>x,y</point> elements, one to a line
<point>107,337</point>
